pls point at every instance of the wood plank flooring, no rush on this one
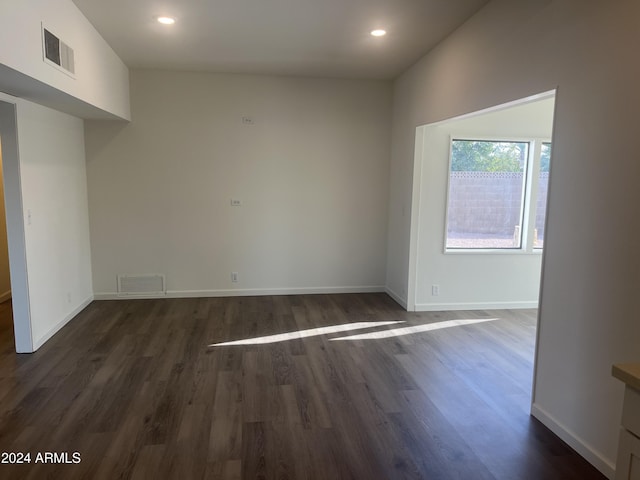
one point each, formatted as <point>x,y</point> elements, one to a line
<point>137,388</point>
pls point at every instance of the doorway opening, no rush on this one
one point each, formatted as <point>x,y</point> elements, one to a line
<point>479,208</point>
<point>6,312</point>
<point>478,222</point>
<point>14,228</point>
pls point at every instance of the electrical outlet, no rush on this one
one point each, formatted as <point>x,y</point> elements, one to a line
<point>234,277</point>
<point>435,290</point>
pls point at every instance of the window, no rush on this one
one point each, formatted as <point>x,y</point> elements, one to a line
<point>541,195</point>
<point>497,194</point>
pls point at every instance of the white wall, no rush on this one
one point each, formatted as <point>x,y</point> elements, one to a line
<point>588,315</point>
<point>312,173</point>
<point>471,280</point>
<point>101,78</point>
<point>47,218</point>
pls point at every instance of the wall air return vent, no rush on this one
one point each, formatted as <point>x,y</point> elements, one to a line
<point>141,285</point>
<point>57,53</point>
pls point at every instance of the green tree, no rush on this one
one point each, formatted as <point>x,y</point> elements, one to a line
<point>488,156</point>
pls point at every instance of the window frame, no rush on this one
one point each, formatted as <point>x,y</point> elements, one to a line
<point>531,179</point>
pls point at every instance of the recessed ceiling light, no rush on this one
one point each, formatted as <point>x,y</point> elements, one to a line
<point>166,20</point>
<point>378,33</point>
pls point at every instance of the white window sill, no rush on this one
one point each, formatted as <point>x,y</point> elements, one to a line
<point>492,251</point>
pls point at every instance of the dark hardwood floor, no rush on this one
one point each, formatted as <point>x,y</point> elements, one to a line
<point>137,389</point>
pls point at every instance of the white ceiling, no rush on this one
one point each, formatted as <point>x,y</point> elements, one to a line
<point>292,37</point>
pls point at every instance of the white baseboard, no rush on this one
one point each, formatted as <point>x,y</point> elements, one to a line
<point>605,466</point>
<point>5,296</point>
<point>37,343</point>
<point>401,301</point>
<point>249,292</point>
<point>437,307</point>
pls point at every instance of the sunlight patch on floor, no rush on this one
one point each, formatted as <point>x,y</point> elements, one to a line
<point>312,332</point>
<point>397,332</point>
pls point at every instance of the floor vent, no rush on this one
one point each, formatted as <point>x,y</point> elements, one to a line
<point>57,53</point>
<point>149,284</point>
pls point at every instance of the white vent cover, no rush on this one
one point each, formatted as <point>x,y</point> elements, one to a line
<point>147,284</point>
<point>57,53</point>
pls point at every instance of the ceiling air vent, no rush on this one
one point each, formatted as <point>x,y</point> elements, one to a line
<point>57,53</point>
<point>147,285</point>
